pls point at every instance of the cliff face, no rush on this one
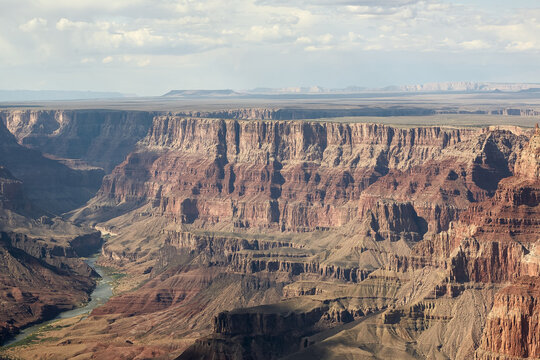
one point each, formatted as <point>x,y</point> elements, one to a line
<point>271,331</point>
<point>494,241</point>
<point>50,185</point>
<point>399,236</point>
<point>100,138</point>
<point>513,325</point>
<point>260,174</point>
<point>11,191</point>
<point>38,281</point>
<point>507,226</point>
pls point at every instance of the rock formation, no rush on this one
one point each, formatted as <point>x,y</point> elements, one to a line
<point>268,238</point>
<point>38,281</point>
<point>95,138</point>
<point>512,329</point>
<point>49,184</point>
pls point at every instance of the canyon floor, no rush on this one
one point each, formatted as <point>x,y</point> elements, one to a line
<point>325,228</point>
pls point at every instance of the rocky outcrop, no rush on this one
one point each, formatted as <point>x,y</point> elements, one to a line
<point>271,332</point>
<point>513,326</point>
<point>287,176</point>
<point>504,229</point>
<point>50,185</point>
<point>11,192</point>
<point>99,138</point>
<point>36,288</point>
<point>391,220</point>
<point>528,164</point>
<point>267,320</point>
<point>443,188</point>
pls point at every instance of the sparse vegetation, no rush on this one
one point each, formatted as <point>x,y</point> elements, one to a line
<point>115,275</point>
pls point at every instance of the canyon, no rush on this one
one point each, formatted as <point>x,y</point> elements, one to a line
<point>272,232</point>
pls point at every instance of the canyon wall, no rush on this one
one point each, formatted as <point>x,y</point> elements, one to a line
<point>50,185</point>
<point>98,138</point>
<point>38,280</point>
<point>289,176</point>
<point>513,325</point>
<point>350,234</point>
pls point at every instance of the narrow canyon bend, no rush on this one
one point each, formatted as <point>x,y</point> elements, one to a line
<point>270,233</point>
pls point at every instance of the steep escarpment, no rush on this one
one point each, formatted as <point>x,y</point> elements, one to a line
<point>513,325</point>
<point>38,281</point>
<point>11,192</point>
<point>99,138</point>
<point>292,113</point>
<point>512,219</point>
<point>51,186</point>
<point>506,227</point>
<point>270,331</point>
<point>289,176</point>
<point>493,242</point>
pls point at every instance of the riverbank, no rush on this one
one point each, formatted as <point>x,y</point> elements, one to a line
<point>100,295</point>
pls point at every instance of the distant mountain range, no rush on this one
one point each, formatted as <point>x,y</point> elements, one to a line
<point>467,86</point>
<point>461,86</point>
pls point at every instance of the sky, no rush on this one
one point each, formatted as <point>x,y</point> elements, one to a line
<point>148,47</point>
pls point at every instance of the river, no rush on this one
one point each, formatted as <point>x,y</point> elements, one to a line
<point>99,296</point>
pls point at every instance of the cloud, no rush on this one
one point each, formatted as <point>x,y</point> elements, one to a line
<point>164,27</point>
<point>329,3</point>
<point>65,24</point>
<point>33,24</point>
<point>142,35</point>
<point>474,45</point>
<point>87,60</point>
<point>318,48</point>
<point>522,46</point>
<point>273,33</point>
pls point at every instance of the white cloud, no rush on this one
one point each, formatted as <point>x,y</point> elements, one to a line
<point>66,24</point>
<point>516,35</point>
<point>474,45</point>
<point>141,37</point>
<point>522,46</point>
<point>303,40</point>
<point>326,38</point>
<point>140,33</point>
<point>259,33</point>
<point>318,48</point>
<point>87,60</point>
<point>143,62</point>
<point>33,24</point>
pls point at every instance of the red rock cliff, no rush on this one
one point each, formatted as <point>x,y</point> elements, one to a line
<point>283,175</point>
<point>513,325</point>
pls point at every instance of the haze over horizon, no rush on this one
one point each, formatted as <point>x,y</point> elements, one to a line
<point>150,47</point>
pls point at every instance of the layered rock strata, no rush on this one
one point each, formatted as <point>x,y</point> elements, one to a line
<point>38,281</point>
<point>51,186</point>
<point>99,138</point>
<point>276,175</point>
<point>400,235</point>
